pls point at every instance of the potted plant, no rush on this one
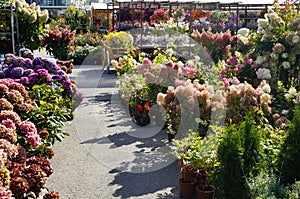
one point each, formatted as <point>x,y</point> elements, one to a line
<point>200,154</point>
<point>187,182</point>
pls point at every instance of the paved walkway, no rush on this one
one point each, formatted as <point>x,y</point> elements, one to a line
<point>107,155</point>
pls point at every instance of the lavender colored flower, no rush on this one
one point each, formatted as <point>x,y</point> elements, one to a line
<point>18,61</point>
<point>34,78</point>
<point>17,72</point>
<point>61,72</point>
<point>51,67</point>
<point>37,61</point>
<point>6,72</point>
<point>27,72</point>
<point>28,63</point>
<point>56,77</point>
<point>37,67</point>
<point>2,75</point>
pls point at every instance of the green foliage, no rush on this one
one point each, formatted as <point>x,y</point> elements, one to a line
<point>294,191</point>
<point>53,109</point>
<point>289,156</point>
<point>253,154</point>
<point>265,186</point>
<point>241,155</point>
<point>231,175</point>
<point>119,40</point>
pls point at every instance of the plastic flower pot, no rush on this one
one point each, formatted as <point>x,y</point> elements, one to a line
<point>205,191</point>
<point>187,187</point>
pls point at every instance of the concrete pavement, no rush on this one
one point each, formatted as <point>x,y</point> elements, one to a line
<point>107,155</point>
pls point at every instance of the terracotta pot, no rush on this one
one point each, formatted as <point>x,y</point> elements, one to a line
<point>187,187</point>
<point>205,192</point>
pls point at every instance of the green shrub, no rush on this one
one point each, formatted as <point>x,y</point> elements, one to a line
<point>289,156</point>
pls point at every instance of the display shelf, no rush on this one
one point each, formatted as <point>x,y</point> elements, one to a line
<point>9,39</point>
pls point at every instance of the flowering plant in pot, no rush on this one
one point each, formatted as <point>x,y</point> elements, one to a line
<point>58,42</point>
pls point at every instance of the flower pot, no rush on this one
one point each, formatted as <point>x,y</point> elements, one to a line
<point>205,191</point>
<point>187,187</point>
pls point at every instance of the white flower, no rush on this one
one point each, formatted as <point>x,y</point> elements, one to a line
<point>243,32</point>
<point>265,98</point>
<point>164,61</point>
<point>180,64</point>
<point>292,91</point>
<point>197,58</point>
<point>295,39</point>
<point>139,86</point>
<point>263,73</point>
<point>114,63</point>
<point>263,23</point>
<point>284,55</point>
<point>267,88</point>
<point>285,112</point>
<point>169,51</point>
<point>274,56</point>
<point>260,59</point>
<point>286,65</point>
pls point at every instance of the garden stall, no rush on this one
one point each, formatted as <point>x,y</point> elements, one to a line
<point>101,16</point>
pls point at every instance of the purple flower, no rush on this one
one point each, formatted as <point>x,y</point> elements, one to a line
<point>6,72</point>
<point>2,75</point>
<point>28,63</point>
<point>56,77</point>
<point>51,67</point>
<point>34,78</point>
<point>17,72</point>
<point>61,72</point>
<point>24,81</point>
<point>37,61</point>
<point>18,61</point>
<point>27,72</point>
<point>37,67</point>
<point>42,72</point>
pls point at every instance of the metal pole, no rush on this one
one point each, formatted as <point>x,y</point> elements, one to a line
<point>12,29</point>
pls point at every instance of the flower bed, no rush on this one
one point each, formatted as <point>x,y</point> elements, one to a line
<point>235,120</point>
<point>31,91</point>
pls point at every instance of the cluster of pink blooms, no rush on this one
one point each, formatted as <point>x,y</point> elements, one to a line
<point>217,44</point>
<point>159,16</point>
<point>30,132</point>
<point>189,72</point>
<point>243,98</point>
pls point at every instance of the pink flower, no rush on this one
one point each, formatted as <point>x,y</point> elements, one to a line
<point>9,124</point>
<point>33,139</point>
<point>189,72</point>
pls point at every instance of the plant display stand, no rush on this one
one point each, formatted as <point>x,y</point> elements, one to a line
<point>9,33</point>
<point>109,54</point>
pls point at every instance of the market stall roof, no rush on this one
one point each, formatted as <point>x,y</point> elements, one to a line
<point>199,1</point>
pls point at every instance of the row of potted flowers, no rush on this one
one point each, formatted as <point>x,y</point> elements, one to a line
<point>37,97</point>
<point>235,116</point>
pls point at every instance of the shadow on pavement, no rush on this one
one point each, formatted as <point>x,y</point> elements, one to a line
<point>142,184</point>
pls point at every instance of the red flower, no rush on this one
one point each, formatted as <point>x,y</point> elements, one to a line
<point>139,107</point>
